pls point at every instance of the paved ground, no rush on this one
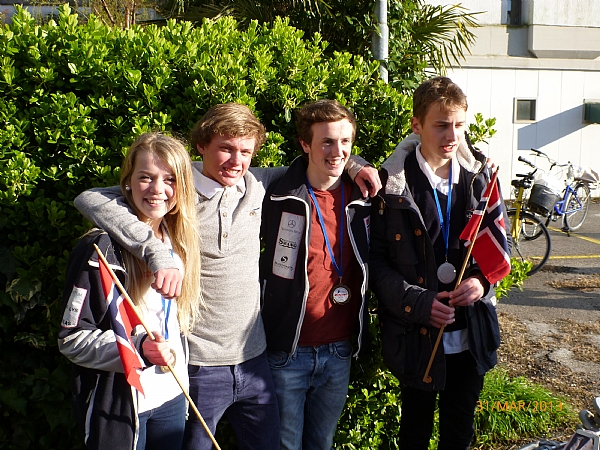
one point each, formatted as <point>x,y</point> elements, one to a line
<point>553,315</point>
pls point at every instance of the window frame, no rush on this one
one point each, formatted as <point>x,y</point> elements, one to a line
<point>516,109</point>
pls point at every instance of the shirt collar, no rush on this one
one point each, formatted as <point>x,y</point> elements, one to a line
<point>436,182</point>
<point>209,188</point>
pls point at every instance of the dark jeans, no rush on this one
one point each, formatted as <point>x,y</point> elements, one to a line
<point>245,394</point>
<point>456,403</point>
<point>312,385</point>
<point>162,428</point>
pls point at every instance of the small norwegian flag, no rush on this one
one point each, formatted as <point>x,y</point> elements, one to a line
<point>490,247</point>
<point>123,319</point>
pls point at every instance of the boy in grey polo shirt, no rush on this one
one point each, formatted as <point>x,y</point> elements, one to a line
<point>229,373</point>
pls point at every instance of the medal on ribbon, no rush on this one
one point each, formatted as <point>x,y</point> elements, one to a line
<point>446,273</point>
<point>340,294</point>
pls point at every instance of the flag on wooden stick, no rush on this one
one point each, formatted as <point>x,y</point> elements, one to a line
<point>486,231</point>
<point>123,319</point>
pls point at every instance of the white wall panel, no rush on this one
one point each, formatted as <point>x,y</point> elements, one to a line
<point>502,69</point>
<point>526,84</point>
<point>548,120</point>
<point>491,9</point>
<point>571,125</point>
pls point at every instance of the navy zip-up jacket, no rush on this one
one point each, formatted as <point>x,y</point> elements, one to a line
<point>284,299</point>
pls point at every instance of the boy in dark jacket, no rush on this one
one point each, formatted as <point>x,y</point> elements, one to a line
<point>314,277</point>
<point>432,183</point>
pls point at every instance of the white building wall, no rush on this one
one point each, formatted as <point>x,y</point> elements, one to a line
<point>559,129</point>
<point>553,58</point>
<point>573,13</point>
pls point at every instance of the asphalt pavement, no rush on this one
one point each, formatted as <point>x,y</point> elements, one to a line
<point>574,256</point>
<point>579,251</point>
<point>543,305</point>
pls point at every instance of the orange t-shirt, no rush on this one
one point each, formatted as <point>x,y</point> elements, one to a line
<point>326,322</point>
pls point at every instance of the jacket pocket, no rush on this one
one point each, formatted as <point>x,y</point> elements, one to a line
<point>402,252</point>
<point>394,337</point>
<point>406,349</point>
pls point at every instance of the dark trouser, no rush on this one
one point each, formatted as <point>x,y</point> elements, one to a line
<point>245,394</point>
<point>456,403</point>
<point>162,428</point>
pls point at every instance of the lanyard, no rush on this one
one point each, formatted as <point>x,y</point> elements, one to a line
<point>166,311</point>
<point>322,223</point>
<point>445,224</point>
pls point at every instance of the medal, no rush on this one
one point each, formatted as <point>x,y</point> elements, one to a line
<point>340,294</point>
<point>446,273</point>
<point>165,369</point>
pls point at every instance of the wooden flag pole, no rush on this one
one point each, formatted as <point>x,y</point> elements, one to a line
<point>426,377</point>
<point>151,336</point>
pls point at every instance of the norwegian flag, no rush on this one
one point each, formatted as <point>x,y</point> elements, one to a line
<point>123,318</point>
<point>486,229</point>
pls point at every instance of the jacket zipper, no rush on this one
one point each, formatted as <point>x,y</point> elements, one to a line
<point>363,268</point>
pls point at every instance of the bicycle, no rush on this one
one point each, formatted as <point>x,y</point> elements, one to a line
<point>574,204</point>
<point>530,237</point>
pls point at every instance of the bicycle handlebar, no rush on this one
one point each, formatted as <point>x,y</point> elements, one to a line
<point>526,161</point>
<point>550,160</point>
<point>527,176</point>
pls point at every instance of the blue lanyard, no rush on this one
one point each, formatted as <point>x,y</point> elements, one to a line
<point>167,311</point>
<point>445,224</point>
<point>322,223</point>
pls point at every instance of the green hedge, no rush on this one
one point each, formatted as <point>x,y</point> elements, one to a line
<point>72,98</point>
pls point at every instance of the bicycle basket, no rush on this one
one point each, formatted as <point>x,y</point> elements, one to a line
<point>542,199</point>
<point>586,174</point>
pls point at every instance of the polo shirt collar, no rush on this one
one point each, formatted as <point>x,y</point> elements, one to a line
<point>209,188</point>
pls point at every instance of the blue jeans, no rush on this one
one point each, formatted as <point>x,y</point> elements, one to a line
<point>162,428</point>
<point>311,385</point>
<point>245,394</point>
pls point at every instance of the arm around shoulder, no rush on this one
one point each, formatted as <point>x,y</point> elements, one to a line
<point>364,175</point>
<point>108,209</point>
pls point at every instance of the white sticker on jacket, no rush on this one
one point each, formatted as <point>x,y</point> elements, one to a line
<point>291,229</point>
<point>73,310</point>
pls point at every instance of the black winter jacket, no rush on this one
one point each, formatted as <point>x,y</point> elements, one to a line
<point>284,298</point>
<point>404,276</point>
<point>103,401</point>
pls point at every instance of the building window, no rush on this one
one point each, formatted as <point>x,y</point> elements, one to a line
<point>524,110</point>
<point>514,12</point>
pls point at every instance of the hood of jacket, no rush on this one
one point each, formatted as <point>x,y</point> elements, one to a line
<point>396,181</point>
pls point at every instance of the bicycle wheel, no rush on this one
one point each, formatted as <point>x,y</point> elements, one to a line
<point>577,206</point>
<point>535,250</point>
<point>529,229</point>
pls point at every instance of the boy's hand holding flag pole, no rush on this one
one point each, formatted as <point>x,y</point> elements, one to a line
<point>491,251</point>
<point>124,317</point>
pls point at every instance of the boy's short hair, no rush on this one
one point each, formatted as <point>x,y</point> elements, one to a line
<point>321,111</point>
<point>228,119</point>
<point>441,90</point>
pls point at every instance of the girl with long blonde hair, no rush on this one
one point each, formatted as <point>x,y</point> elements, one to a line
<point>157,181</point>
